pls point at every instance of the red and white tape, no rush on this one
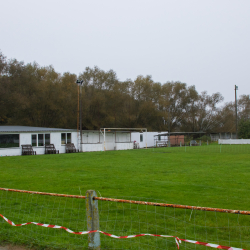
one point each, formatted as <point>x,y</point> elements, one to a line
<point>177,240</point>
<point>211,245</point>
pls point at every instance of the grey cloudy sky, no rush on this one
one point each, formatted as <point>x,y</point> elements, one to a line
<point>205,43</point>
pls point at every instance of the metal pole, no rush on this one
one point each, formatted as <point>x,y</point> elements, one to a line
<point>169,142</point>
<point>78,115</point>
<point>79,83</point>
<point>92,213</point>
<point>104,138</point>
<point>81,116</point>
<point>236,117</point>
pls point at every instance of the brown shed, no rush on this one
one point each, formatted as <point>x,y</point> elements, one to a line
<point>175,140</point>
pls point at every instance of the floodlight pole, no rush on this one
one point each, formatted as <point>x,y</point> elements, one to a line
<point>81,115</point>
<point>236,115</point>
<point>169,144</point>
<point>79,83</point>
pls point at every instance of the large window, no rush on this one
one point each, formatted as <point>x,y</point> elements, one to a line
<point>65,138</point>
<point>43,139</point>
<point>9,140</point>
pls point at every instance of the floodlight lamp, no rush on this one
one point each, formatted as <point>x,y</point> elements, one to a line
<point>79,82</point>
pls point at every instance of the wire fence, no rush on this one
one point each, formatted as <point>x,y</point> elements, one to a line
<point>123,223</point>
<point>206,148</point>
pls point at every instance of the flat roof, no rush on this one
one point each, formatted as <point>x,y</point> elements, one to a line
<point>181,133</point>
<point>122,130</point>
<point>18,129</point>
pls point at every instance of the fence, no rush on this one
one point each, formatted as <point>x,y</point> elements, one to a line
<point>216,137</point>
<point>206,147</point>
<point>234,141</point>
<point>116,223</point>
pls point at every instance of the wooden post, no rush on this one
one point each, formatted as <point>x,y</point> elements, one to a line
<point>92,214</point>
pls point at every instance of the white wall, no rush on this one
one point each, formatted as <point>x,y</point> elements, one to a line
<point>90,142</point>
<point>124,145</point>
<point>151,138</point>
<point>91,137</point>
<point>234,141</point>
<point>112,139</point>
<point>122,137</point>
<point>10,151</point>
<point>25,138</point>
<point>94,141</point>
<point>148,138</point>
<point>55,138</point>
<point>74,139</point>
<point>92,147</point>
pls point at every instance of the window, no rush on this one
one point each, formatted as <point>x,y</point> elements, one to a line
<point>34,140</point>
<point>9,140</point>
<point>141,137</point>
<point>68,137</point>
<point>43,139</point>
<point>159,137</point>
<point>40,139</point>
<point>65,138</point>
<point>47,139</point>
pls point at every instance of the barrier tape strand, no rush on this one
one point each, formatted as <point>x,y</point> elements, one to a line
<point>177,240</point>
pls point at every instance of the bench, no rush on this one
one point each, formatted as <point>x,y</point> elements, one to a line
<point>70,148</point>
<point>161,143</point>
<point>27,150</point>
<point>50,149</point>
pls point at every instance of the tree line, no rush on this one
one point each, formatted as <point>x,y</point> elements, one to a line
<point>39,96</point>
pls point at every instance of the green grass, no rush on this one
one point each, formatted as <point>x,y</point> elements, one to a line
<point>213,176</point>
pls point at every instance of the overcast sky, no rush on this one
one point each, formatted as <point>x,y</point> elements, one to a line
<point>205,43</point>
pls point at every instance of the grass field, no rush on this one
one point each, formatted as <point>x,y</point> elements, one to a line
<point>213,176</point>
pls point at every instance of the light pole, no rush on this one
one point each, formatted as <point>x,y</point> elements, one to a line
<point>236,118</point>
<point>79,83</point>
<point>169,144</point>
